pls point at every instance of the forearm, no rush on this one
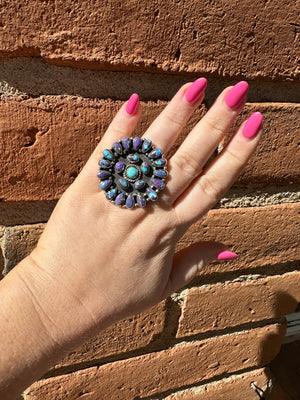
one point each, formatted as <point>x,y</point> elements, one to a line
<point>39,324</point>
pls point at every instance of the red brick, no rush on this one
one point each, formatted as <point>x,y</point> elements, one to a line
<point>18,242</point>
<point>203,37</point>
<point>277,158</point>
<point>261,236</point>
<point>215,307</point>
<point>128,335</point>
<point>47,140</point>
<point>154,373</point>
<point>236,387</point>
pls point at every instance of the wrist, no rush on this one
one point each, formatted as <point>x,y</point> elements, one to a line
<point>62,314</point>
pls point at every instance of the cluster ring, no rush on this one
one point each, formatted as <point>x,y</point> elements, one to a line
<point>132,172</point>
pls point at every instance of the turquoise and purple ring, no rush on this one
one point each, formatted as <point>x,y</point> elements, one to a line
<point>132,172</point>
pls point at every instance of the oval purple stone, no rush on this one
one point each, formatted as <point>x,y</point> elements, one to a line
<point>158,183</point>
<point>103,175</point>
<point>141,201</point>
<point>137,142</point>
<point>155,153</point>
<point>146,145</point>
<point>104,163</point>
<point>118,148</point>
<point>105,184</point>
<point>126,143</point>
<point>139,184</point>
<point>160,173</point>
<point>129,201</point>
<point>145,168</point>
<point>160,163</point>
<point>151,194</point>
<point>120,199</point>
<point>119,166</point>
<point>108,155</point>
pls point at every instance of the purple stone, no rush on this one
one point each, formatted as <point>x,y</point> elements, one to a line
<point>129,201</point>
<point>160,163</point>
<point>118,148</point>
<point>103,175</point>
<point>151,194</point>
<point>104,163</point>
<point>126,143</point>
<point>108,155</point>
<point>155,153</point>
<point>119,166</point>
<point>158,183</point>
<point>160,173</point>
<point>137,142</point>
<point>139,184</point>
<point>146,145</point>
<point>141,201</point>
<point>145,168</point>
<point>120,199</point>
<point>105,184</point>
<point>134,158</point>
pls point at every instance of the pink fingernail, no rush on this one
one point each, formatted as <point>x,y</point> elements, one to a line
<point>253,125</point>
<point>237,94</point>
<point>132,104</point>
<point>195,91</point>
<point>226,255</point>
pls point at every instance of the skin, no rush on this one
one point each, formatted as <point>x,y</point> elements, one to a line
<point>96,263</point>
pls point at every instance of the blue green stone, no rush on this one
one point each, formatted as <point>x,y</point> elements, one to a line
<point>124,183</point>
<point>132,172</point>
<point>160,173</point>
<point>108,155</point>
<point>151,194</point>
<point>112,194</point>
<point>155,153</point>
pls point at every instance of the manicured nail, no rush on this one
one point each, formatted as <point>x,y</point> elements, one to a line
<point>195,91</point>
<point>226,255</point>
<point>132,104</point>
<point>236,95</point>
<point>253,125</point>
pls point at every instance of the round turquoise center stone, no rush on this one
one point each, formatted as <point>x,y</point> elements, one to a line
<point>132,172</point>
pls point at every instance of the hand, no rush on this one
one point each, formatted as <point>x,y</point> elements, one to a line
<point>108,262</point>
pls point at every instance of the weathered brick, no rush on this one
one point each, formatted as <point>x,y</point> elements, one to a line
<point>18,242</point>
<point>277,158</point>
<point>224,305</point>
<point>125,336</point>
<point>47,140</point>
<point>154,373</point>
<point>236,387</point>
<point>261,236</point>
<point>204,37</point>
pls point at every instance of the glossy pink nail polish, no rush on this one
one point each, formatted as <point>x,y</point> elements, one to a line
<point>237,94</point>
<point>226,255</point>
<point>195,90</point>
<point>253,125</point>
<point>132,104</point>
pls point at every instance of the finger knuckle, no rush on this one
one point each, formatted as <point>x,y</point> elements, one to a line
<point>214,126</point>
<point>174,121</point>
<point>210,188</point>
<point>186,164</point>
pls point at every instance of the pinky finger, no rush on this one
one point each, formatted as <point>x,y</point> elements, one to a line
<point>218,177</point>
<point>189,261</point>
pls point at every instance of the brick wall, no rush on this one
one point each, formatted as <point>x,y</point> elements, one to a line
<point>65,68</point>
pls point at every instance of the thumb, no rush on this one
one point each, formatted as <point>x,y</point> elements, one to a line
<point>189,261</point>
